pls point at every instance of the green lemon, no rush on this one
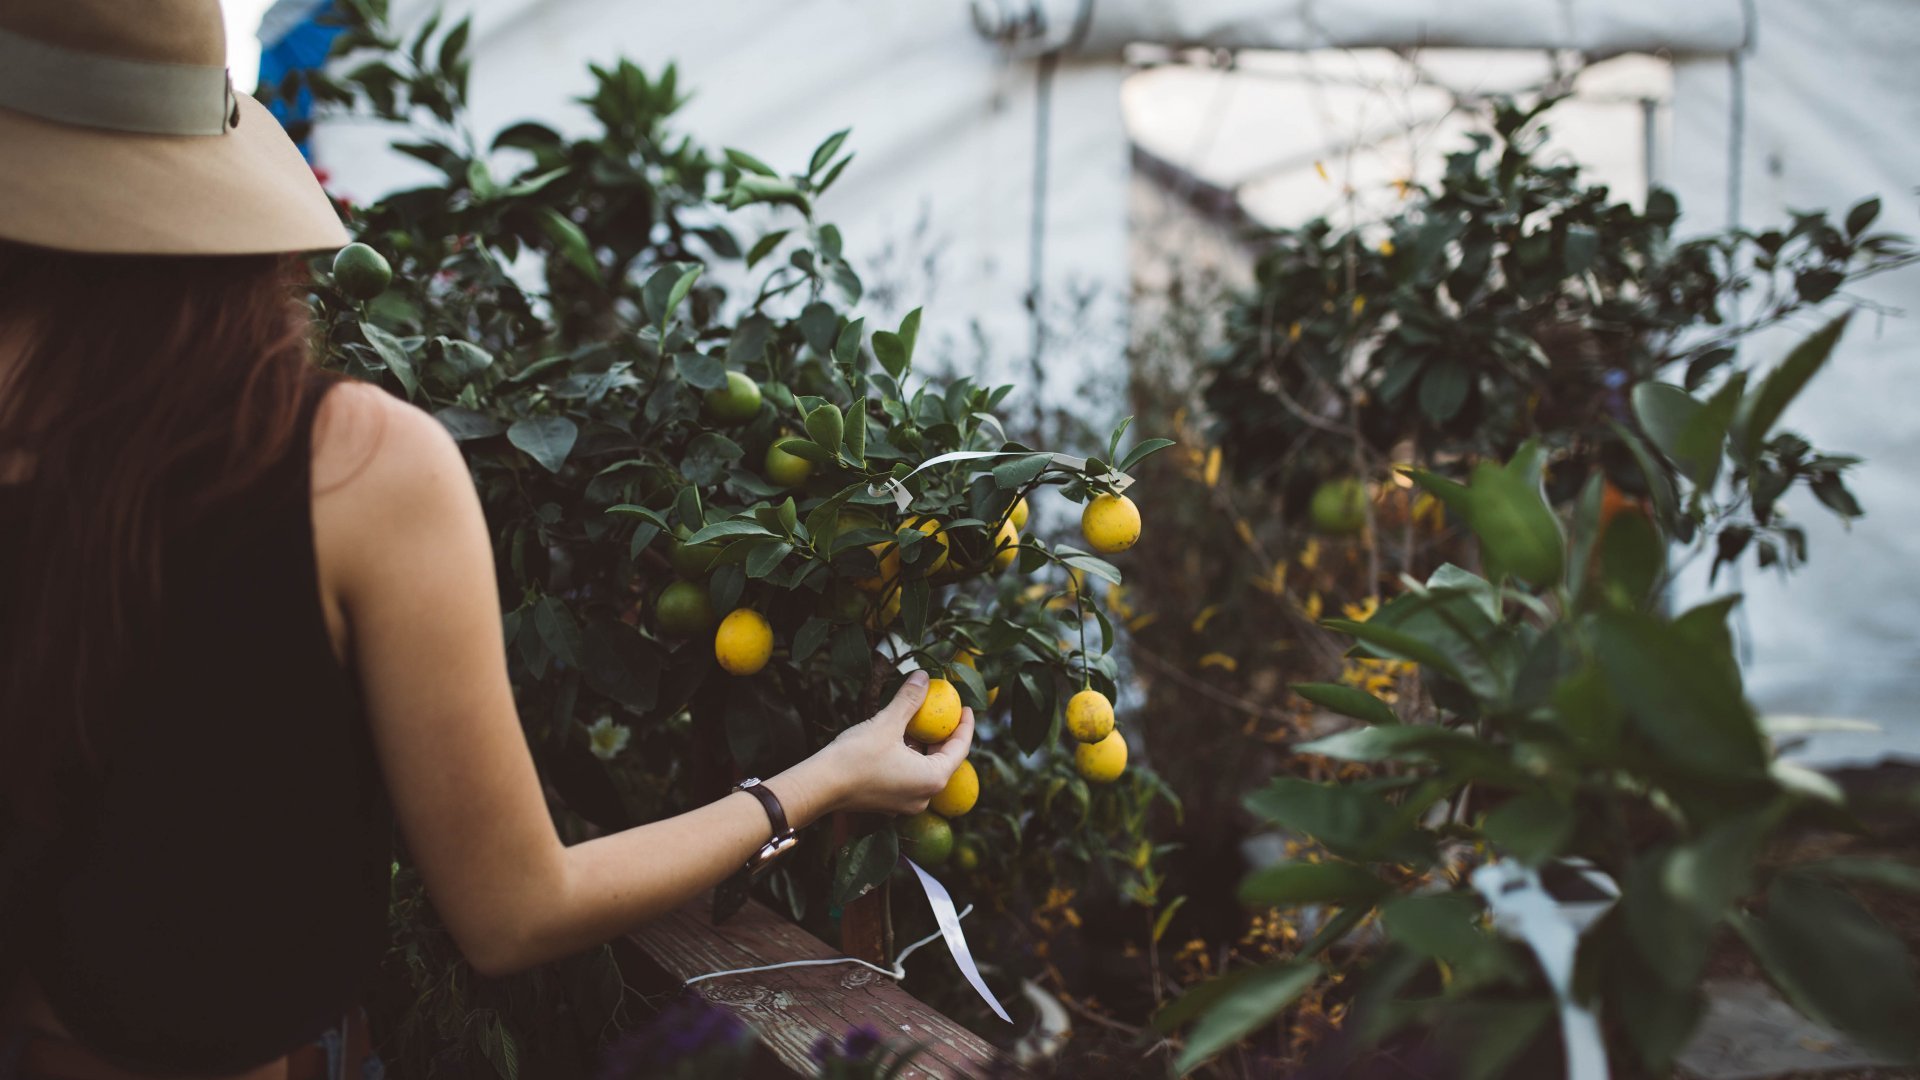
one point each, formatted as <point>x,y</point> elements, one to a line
<point>1340,506</point>
<point>735,403</point>
<point>684,609</point>
<point>925,837</point>
<point>690,561</point>
<point>361,272</point>
<point>784,469</point>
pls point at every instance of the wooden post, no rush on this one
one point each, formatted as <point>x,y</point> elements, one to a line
<point>863,932</point>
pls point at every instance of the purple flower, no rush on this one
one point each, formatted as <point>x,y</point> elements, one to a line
<point>861,1041</point>
<point>682,1031</point>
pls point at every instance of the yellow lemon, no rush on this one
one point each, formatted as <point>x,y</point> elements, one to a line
<point>881,616</point>
<point>937,716</point>
<point>889,556</point>
<point>1006,546</point>
<point>1018,515</point>
<point>1102,762</point>
<point>961,792</point>
<point>1110,523</point>
<point>932,528</point>
<point>1089,716</point>
<point>744,642</point>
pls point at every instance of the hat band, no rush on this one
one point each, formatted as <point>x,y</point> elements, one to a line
<point>110,92</point>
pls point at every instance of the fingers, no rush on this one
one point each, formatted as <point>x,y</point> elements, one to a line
<point>949,754</point>
<point>905,700</point>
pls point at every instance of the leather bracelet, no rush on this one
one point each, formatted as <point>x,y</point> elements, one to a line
<point>783,836</point>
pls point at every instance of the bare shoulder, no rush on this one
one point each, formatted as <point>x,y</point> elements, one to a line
<point>390,488</point>
<point>371,448</point>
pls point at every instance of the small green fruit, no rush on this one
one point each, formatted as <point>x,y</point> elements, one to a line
<point>684,609</point>
<point>735,403</point>
<point>361,272</point>
<point>784,469</point>
<point>926,838</point>
<point>1340,506</point>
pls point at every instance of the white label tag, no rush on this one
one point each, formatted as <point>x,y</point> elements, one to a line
<point>949,921</point>
<point>903,498</point>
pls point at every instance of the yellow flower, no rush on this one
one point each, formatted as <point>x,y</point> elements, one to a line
<point>1140,622</point>
<point>1321,168</point>
<point>1359,304</point>
<point>1293,332</point>
<point>1245,532</point>
<point>1206,615</point>
<point>1220,660</point>
<point>1362,611</point>
<point>1212,474</point>
<point>1386,248</point>
<point>1310,555</point>
<point>1312,607</point>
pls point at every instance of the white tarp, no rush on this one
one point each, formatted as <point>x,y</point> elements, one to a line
<point>1595,26</point>
<point>1831,106</point>
<point>939,207</point>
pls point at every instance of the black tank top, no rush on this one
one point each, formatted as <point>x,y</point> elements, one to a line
<point>225,899</point>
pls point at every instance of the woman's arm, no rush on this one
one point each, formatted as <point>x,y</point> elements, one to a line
<point>403,549</point>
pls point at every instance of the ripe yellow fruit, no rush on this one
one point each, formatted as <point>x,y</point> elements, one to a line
<point>889,557</point>
<point>937,716</point>
<point>1006,546</point>
<point>1089,716</point>
<point>961,792</point>
<point>744,642</point>
<point>1018,515</point>
<point>1102,762</point>
<point>1110,523</point>
<point>932,528</point>
<point>882,615</point>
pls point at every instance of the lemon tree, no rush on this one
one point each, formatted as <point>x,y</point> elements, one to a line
<point>1573,722</point>
<point>701,464</point>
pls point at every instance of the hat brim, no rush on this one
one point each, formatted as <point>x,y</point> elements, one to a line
<point>82,189</point>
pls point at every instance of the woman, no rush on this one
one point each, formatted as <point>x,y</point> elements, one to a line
<point>246,608</point>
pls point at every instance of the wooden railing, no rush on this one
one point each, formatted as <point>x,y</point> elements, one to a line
<point>791,1009</point>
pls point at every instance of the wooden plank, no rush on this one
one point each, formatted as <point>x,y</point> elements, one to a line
<point>863,921</point>
<point>792,1008</point>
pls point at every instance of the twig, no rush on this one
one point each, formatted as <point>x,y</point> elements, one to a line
<point>1207,689</point>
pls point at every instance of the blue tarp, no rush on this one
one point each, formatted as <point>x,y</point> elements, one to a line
<point>295,36</point>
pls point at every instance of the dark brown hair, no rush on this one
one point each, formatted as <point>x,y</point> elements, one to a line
<point>150,389</point>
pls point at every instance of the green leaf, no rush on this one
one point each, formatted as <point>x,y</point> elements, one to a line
<point>863,864</point>
<point>546,439</point>
<point>1517,530</point>
<point>1532,828</point>
<point>826,425</point>
<point>1146,448</point>
<point>1762,408</point>
<point>1443,926</point>
<point>823,154</point>
<point>1017,473</point>
<point>1398,742</point>
<point>1248,1004</point>
<point>743,160</point>
<point>1887,873</point>
<point>1347,701</point>
<point>1693,713</point>
<point>700,371</point>
<point>394,355</point>
<point>1296,883</point>
<point>1838,964</point>
<point>1395,645</point>
<point>569,240</point>
<point>764,246</point>
<point>909,332</point>
<point>1443,389</point>
<point>1350,821</point>
<point>681,287</point>
<point>732,527</point>
<point>1659,484</point>
<point>890,351</point>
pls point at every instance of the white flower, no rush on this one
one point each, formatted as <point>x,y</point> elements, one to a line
<point>608,738</point>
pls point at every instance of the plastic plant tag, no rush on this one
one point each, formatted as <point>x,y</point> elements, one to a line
<point>948,919</point>
<point>1524,909</point>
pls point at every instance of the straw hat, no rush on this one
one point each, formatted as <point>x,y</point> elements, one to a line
<point>120,132</point>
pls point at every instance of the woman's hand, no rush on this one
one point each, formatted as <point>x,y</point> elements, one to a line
<point>872,767</point>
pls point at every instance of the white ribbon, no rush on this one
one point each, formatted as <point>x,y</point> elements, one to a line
<point>1523,908</point>
<point>902,498</point>
<point>949,923</point>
